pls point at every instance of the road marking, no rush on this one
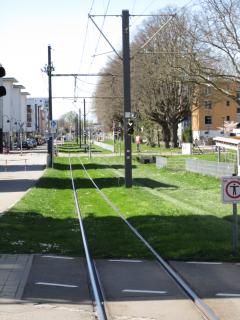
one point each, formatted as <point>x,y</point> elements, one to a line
<point>134,261</point>
<point>228,294</point>
<point>58,257</point>
<point>144,291</point>
<point>203,262</point>
<point>56,284</point>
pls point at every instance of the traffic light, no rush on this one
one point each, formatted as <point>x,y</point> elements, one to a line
<point>130,127</point>
<point>2,88</point>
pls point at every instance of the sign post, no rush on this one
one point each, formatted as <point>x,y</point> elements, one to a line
<point>231,194</point>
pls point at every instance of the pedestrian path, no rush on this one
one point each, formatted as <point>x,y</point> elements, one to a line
<point>14,270</point>
<point>18,173</point>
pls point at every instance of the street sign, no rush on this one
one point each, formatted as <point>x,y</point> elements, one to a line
<point>231,189</point>
<point>53,124</point>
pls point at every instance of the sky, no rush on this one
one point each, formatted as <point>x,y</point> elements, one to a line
<point>27,27</point>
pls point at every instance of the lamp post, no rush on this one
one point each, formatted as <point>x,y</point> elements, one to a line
<point>21,124</point>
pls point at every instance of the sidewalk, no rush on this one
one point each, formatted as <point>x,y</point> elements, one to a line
<point>18,173</point>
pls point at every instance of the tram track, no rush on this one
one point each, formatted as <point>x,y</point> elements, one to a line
<point>95,275</point>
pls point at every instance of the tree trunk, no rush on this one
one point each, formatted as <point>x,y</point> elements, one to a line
<point>175,135</point>
<point>166,135</point>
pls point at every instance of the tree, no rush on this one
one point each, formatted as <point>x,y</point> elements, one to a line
<point>67,121</point>
<point>164,91</point>
<point>217,33</point>
<point>109,108</point>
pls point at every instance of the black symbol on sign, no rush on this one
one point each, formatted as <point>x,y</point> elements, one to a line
<point>234,189</point>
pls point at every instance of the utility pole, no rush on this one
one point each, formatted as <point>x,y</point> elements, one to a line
<point>49,73</point>
<point>84,125</point>
<point>80,128</point>
<point>76,128</point>
<point>127,98</point>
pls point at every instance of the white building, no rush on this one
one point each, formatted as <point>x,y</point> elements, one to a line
<point>14,109</point>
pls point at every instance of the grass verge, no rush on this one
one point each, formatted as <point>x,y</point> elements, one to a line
<point>179,213</point>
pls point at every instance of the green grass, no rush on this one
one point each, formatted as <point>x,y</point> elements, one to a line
<point>143,147</point>
<point>179,213</point>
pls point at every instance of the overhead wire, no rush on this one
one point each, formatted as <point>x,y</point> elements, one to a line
<point>100,34</point>
<point>83,50</point>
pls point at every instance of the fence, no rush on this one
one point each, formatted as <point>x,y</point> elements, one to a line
<point>210,168</point>
<point>6,164</point>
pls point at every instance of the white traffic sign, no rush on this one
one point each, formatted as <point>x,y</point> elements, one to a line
<point>53,124</point>
<point>231,189</point>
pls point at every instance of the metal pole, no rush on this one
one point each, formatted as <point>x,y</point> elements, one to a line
<point>76,129</point>
<point>50,141</point>
<point>127,97</point>
<point>84,125</point>
<point>80,128</point>
<point>235,229</point>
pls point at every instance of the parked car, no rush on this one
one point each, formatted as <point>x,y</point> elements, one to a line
<point>34,142</point>
<point>27,144</point>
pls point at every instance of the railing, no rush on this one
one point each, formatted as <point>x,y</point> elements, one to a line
<point>7,163</point>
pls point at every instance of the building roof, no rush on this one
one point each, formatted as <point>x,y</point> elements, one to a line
<point>18,86</point>
<point>228,143</point>
<point>10,79</point>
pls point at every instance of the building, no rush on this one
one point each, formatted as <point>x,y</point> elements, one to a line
<point>37,116</point>
<point>212,111</point>
<point>14,110</point>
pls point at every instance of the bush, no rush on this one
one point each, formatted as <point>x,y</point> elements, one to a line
<point>187,135</point>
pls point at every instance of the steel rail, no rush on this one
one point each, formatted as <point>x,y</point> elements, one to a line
<point>200,304</point>
<point>92,272</point>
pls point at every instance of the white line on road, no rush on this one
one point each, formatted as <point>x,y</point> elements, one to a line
<point>56,284</point>
<point>144,291</point>
<point>58,257</point>
<point>203,262</point>
<point>228,294</point>
<point>134,261</point>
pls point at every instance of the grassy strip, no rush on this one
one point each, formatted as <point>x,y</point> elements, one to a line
<point>44,221</point>
<point>188,231</point>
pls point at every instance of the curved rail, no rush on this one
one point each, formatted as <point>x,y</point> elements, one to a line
<point>90,265</point>
<point>201,305</point>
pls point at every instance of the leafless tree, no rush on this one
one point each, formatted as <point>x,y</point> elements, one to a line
<point>164,92</point>
<point>216,33</point>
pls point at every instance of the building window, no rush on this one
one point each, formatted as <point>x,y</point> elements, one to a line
<point>238,110</point>
<point>29,116</point>
<point>208,120</point>
<point>207,104</point>
<point>227,103</point>
<point>228,118</point>
<point>207,90</point>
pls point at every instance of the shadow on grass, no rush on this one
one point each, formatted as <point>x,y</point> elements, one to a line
<point>173,237</point>
<point>88,166</point>
<point>83,183</point>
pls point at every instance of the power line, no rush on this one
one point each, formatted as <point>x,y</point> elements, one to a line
<point>100,34</point>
